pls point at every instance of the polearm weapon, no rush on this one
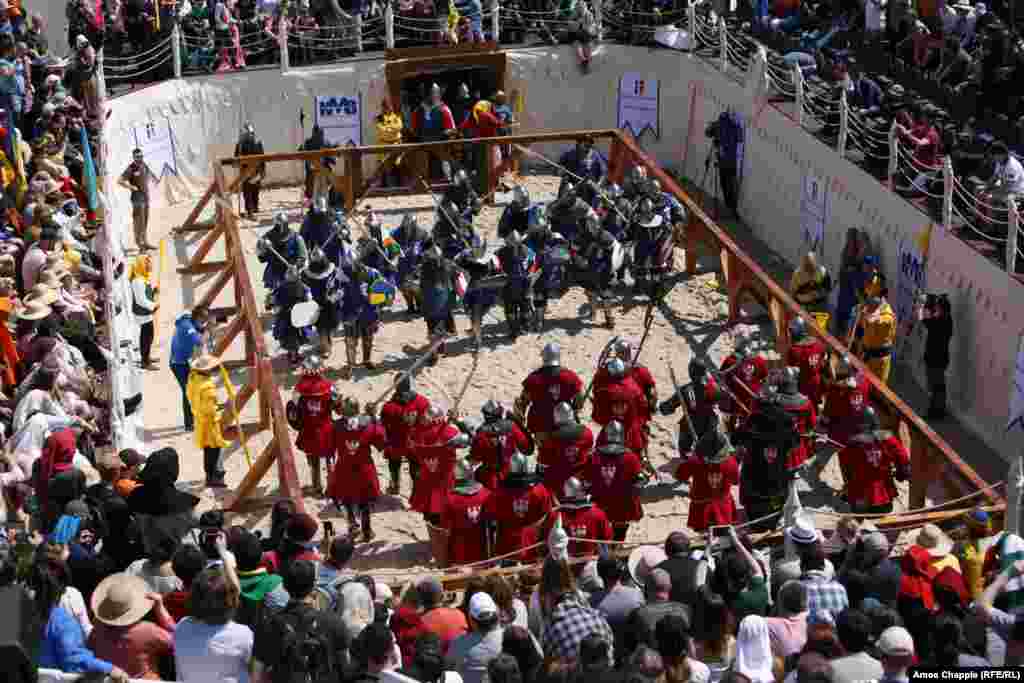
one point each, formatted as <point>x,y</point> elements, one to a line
<point>682,403</point>
<point>439,207</point>
<point>648,323</point>
<point>269,247</point>
<point>605,352</point>
<point>600,194</point>
<point>412,368</point>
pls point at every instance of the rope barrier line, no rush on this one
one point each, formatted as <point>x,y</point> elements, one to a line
<point>973,201</point>
<point>164,43</point>
<point>137,73</point>
<point>918,511</point>
<point>981,234</point>
<point>138,64</point>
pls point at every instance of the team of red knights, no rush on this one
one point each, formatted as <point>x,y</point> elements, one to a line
<point>495,489</point>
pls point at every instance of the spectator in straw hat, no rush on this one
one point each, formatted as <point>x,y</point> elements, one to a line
<point>938,546</point>
<point>35,257</point>
<point>804,539</point>
<point>122,635</point>
<point>41,293</point>
<point>202,397</point>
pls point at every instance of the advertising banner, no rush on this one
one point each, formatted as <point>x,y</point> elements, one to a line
<point>639,104</point>
<point>341,119</point>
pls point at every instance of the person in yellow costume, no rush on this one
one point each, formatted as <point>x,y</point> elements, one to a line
<point>811,284</point>
<point>873,280</point>
<point>389,132</point>
<point>972,550</point>
<point>202,396</point>
<point>877,333</point>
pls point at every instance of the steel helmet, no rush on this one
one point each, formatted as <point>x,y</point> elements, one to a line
<point>492,410</point>
<point>350,407</point>
<point>280,219</point>
<point>317,255</point>
<point>869,421</point>
<point>615,435</point>
<point>539,218</point>
<point>520,197</point>
<point>637,175</point>
<point>409,222</point>
<point>435,89</point>
<point>645,208</point>
<point>844,368</point>
<point>573,489</point>
<point>789,382</point>
<point>434,415</point>
<point>248,128</point>
<point>461,177</point>
<point>434,253</point>
<point>558,541</point>
<point>615,367</point>
<point>564,415</point>
<point>463,90</point>
<point>514,238</point>
<point>697,370</point>
<point>320,205</point>
<point>478,247</point>
<point>654,187</point>
<point>292,274</point>
<point>624,206</point>
<point>613,192</point>
<point>624,350</point>
<point>464,470</point>
<point>742,343</point>
<point>798,328</point>
<point>552,355</point>
<point>313,365</point>
<point>520,463</point>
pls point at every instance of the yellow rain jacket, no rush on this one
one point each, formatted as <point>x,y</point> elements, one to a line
<point>202,395</point>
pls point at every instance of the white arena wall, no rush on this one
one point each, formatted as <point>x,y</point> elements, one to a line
<point>205,114</point>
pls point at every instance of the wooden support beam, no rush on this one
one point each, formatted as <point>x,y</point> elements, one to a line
<point>236,364</point>
<point>248,170</point>
<point>243,397</point>
<point>406,148</point>
<point>194,216</point>
<point>203,249</point>
<point>229,336</point>
<point>287,473</point>
<point>253,477</point>
<point>214,291</point>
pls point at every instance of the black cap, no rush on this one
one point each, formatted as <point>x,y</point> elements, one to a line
<point>300,578</point>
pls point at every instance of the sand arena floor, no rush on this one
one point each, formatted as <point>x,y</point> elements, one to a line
<point>691,322</point>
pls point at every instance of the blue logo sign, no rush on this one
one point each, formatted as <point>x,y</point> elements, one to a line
<point>333,106</point>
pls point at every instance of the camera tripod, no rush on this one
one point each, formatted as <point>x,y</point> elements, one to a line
<point>711,161</point>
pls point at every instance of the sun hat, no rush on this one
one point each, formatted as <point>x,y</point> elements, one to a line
<point>932,539</point>
<point>120,600</point>
<point>206,363</point>
<point>642,560</point>
<point>482,608</point>
<point>896,641</point>
<point>803,531</point>
<point>34,310</point>
<point>42,294</point>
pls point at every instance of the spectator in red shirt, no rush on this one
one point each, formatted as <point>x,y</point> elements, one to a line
<point>924,139</point>
<point>188,561</point>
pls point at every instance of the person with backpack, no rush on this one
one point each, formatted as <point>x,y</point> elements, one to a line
<point>300,644</point>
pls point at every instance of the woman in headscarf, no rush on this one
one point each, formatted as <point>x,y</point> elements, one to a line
<point>754,650</point>
<point>42,399</point>
<point>143,306</point>
<point>168,510</point>
<point>482,123</point>
<point>57,458</point>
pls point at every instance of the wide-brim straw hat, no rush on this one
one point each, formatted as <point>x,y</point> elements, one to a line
<point>52,278</point>
<point>642,560</point>
<point>43,293</point>
<point>34,310</point>
<point>121,600</point>
<point>934,540</point>
<point>206,363</point>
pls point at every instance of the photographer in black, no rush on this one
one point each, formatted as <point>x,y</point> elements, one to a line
<point>934,312</point>
<point>726,135</point>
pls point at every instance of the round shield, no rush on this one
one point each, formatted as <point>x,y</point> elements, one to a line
<point>305,314</point>
<point>461,285</point>
<point>618,256</point>
<point>291,413</point>
<point>381,293</point>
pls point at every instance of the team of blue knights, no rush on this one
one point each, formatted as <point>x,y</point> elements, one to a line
<point>593,235</point>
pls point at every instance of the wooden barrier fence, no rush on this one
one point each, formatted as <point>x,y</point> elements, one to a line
<point>245,320</point>
<point>931,457</point>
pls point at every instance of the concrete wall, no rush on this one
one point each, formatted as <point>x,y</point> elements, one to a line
<point>205,114</point>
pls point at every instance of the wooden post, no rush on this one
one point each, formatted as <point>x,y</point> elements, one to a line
<point>617,160</point>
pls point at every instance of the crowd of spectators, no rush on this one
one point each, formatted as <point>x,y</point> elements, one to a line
<point>126,582</point>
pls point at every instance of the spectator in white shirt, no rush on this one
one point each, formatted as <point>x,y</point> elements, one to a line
<point>1008,178</point>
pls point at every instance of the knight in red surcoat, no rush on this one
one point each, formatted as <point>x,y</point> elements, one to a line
<point>615,474</point>
<point>463,517</point>
<point>582,519</point>
<point>810,355</point>
<point>520,512</point>
<point>567,450</point>
<point>495,441</point>
<point>400,416</point>
<point>435,442</point>
<point>545,388</point>
<point>312,414</point>
<point>354,483</point>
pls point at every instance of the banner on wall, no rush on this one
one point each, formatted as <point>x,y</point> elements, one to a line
<point>156,140</point>
<point>813,213</point>
<point>341,118</point>
<point>639,103</point>
<point>911,276</point>
<point>1017,390</point>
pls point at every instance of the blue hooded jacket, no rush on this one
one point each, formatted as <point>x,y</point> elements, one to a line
<point>186,338</point>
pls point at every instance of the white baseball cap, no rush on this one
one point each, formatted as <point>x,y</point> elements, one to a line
<point>482,607</point>
<point>896,641</point>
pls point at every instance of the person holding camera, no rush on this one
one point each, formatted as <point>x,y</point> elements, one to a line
<point>726,134</point>
<point>934,313</point>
